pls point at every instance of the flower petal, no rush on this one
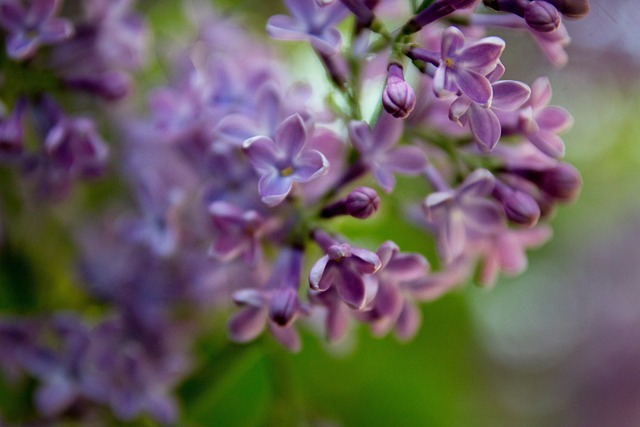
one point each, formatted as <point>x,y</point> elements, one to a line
<point>310,165</point>
<point>509,95</point>
<point>247,324</point>
<point>316,273</point>
<point>476,86</point>
<point>554,119</point>
<point>291,136</point>
<point>485,126</point>
<point>274,188</point>
<point>405,160</point>
<point>55,30</point>
<point>547,142</point>
<point>283,27</point>
<point>351,288</point>
<point>261,152</point>
<point>361,137</point>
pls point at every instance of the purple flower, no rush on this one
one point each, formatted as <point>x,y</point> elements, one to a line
<point>343,267</point>
<point>11,130</point>
<point>379,153</point>
<point>464,68</point>
<point>456,213</point>
<point>31,27</point>
<point>238,232</point>
<point>276,304</point>
<point>436,10</point>
<point>282,162</point>
<point>508,95</point>
<point>310,22</point>
<point>540,123</point>
<point>398,98</point>
<point>393,305</point>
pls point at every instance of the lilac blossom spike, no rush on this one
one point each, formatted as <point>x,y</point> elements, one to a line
<point>282,162</point>
<point>463,68</point>
<point>343,267</point>
<point>541,123</point>
<point>508,95</point>
<point>310,22</point>
<point>398,98</point>
<point>455,213</point>
<point>32,27</point>
<point>379,153</point>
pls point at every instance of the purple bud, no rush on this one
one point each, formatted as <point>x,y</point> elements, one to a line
<point>562,182</point>
<point>542,16</point>
<point>362,202</point>
<point>571,8</point>
<point>284,306</point>
<point>435,11</point>
<point>519,206</point>
<point>398,97</point>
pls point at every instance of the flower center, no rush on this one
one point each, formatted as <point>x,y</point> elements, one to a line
<point>286,171</point>
<point>448,62</point>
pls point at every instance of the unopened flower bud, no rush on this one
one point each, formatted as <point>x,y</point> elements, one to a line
<point>362,202</point>
<point>398,97</point>
<point>284,306</point>
<point>542,16</point>
<point>571,8</point>
<point>519,206</point>
<point>562,182</point>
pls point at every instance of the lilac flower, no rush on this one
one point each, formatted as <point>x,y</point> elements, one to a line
<point>463,68</point>
<point>455,213</point>
<point>392,305</point>
<point>540,123</point>
<point>508,95</point>
<point>436,10</point>
<point>310,22</point>
<point>343,267</point>
<point>379,154</point>
<point>31,27</point>
<point>74,145</point>
<point>505,251</point>
<point>238,232</point>
<point>398,98</point>
<point>276,304</point>
<point>11,130</point>
<point>282,162</point>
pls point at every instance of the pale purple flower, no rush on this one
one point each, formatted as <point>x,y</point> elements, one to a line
<point>380,154</point>
<point>504,251</point>
<point>464,67</point>
<point>238,232</point>
<point>343,267</point>
<point>284,161</point>
<point>541,123</point>
<point>456,213</point>
<point>32,26</point>
<point>310,22</point>
<point>508,95</point>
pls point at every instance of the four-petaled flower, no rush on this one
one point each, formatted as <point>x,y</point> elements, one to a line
<point>282,162</point>
<point>29,28</point>
<point>464,68</point>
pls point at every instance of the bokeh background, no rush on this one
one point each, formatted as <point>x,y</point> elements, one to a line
<point>558,346</point>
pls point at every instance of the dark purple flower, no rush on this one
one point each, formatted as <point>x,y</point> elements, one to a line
<point>398,98</point>
<point>310,22</point>
<point>541,123</point>
<point>542,16</point>
<point>464,67</point>
<point>508,95</point>
<point>32,26</point>
<point>379,153</point>
<point>456,213</point>
<point>436,10</point>
<point>11,130</point>
<point>284,161</point>
<point>361,203</point>
<point>519,206</point>
<point>343,267</point>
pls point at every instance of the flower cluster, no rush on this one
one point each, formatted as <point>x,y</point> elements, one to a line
<point>236,178</point>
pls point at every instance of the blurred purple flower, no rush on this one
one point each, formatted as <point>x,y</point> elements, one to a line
<point>379,153</point>
<point>541,123</point>
<point>32,26</point>
<point>282,162</point>
<point>310,22</point>
<point>238,232</point>
<point>455,213</point>
<point>12,131</point>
